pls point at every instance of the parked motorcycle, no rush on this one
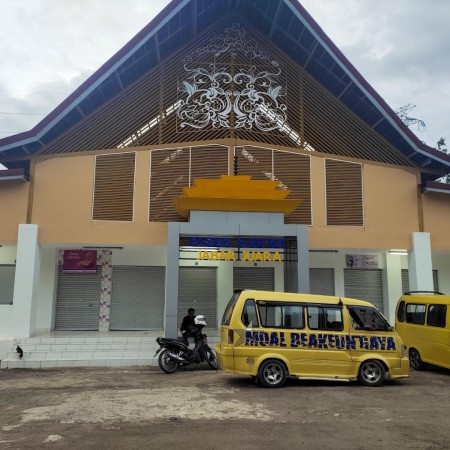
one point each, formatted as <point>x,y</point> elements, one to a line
<point>174,353</point>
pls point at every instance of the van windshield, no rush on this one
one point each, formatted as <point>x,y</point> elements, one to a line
<point>367,318</point>
<point>229,309</point>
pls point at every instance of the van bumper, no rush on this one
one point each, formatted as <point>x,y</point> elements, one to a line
<point>225,355</point>
<point>402,371</point>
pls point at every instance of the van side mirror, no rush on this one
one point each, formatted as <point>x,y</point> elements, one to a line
<point>249,326</point>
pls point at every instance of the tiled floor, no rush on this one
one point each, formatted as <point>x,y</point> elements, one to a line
<point>88,348</point>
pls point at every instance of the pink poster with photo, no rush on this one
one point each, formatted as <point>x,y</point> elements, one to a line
<point>80,261</point>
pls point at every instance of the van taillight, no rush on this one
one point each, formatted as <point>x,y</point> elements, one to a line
<point>230,336</point>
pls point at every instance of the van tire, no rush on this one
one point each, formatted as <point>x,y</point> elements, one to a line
<point>415,360</point>
<point>371,373</point>
<point>272,373</point>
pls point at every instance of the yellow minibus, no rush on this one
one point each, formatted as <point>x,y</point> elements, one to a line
<point>422,320</point>
<point>273,335</point>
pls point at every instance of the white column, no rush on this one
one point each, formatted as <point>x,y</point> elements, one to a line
<point>420,268</point>
<point>393,285</point>
<point>26,282</point>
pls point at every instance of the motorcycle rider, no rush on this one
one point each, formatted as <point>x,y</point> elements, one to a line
<point>188,325</point>
<point>173,353</point>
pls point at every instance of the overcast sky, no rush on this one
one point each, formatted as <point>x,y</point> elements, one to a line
<point>49,47</point>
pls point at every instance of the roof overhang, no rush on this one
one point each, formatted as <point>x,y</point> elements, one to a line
<point>12,175</point>
<point>435,186</point>
<point>286,23</point>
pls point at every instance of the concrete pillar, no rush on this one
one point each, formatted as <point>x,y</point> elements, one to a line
<point>26,282</point>
<point>171,310</point>
<point>303,259</point>
<point>420,268</point>
<point>392,286</point>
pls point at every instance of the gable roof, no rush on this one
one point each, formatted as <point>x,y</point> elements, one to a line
<point>285,23</point>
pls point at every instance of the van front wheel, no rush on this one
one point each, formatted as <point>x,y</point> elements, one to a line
<point>371,373</point>
<point>415,360</point>
<point>272,373</point>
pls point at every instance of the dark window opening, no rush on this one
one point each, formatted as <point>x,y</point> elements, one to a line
<point>281,315</point>
<point>401,312</point>
<point>325,318</point>
<point>436,316</point>
<point>249,315</point>
<point>415,314</point>
<point>367,318</point>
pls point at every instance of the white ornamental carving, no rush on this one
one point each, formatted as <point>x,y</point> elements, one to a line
<point>212,93</point>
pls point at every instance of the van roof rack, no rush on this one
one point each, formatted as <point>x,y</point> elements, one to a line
<point>423,292</point>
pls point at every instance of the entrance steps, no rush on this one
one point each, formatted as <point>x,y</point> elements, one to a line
<point>88,349</point>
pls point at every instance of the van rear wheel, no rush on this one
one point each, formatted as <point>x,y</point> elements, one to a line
<point>415,360</point>
<point>272,373</point>
<point>371,373</point>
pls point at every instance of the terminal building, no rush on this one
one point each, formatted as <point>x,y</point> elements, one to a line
<point>229,144</point>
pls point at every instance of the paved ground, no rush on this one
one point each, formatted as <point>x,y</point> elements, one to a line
<point>202,409</point>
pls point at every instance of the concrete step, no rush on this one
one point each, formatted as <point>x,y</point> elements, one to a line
<point>68,362</point>
<point>98,346</point>
<point>85,351</point>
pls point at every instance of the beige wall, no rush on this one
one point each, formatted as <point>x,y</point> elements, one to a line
<point>13,209</point>
<point>62,205</point>
<point>391,210</point>
<point>436,211</point>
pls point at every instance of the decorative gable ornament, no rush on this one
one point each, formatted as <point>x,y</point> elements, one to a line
<point>232,83</point>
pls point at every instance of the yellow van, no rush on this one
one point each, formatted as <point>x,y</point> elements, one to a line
<point>422,320</point>
<point>272,335</point>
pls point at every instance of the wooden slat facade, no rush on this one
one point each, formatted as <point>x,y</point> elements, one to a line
<point>344,193</point>
<point>292,170</point>
<point>174,169</point>
<point>114,187</point>
<point>143,113</point>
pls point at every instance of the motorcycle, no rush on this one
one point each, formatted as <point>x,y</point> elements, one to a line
<point>174,353</point>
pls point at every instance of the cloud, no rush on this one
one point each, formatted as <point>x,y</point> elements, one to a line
<point>399,46</point>
<point>54,46</point>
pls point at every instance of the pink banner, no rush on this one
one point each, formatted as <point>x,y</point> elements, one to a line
<point>80,261</point>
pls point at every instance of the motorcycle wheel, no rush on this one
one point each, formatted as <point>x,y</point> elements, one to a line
<point>211,359</point>
<point>166,363</point>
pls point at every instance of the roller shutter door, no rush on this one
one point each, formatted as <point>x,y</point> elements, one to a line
<point>321,281</point>
<point>261,278</point>
<point>197,288</point>
<point>137,298</point>
<point>405,280</point>
<point>7,273</point>
<point>78,301</point>
<point>365,285</point>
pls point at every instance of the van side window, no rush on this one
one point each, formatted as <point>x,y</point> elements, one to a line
<point>436,315</point>
<point>401,312</point>
<point>366,318</point>
<point>249,314</point>
<point>415,314</point>
<point>281,315</point>
<point>325,318</point>
<point>228,313</point>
